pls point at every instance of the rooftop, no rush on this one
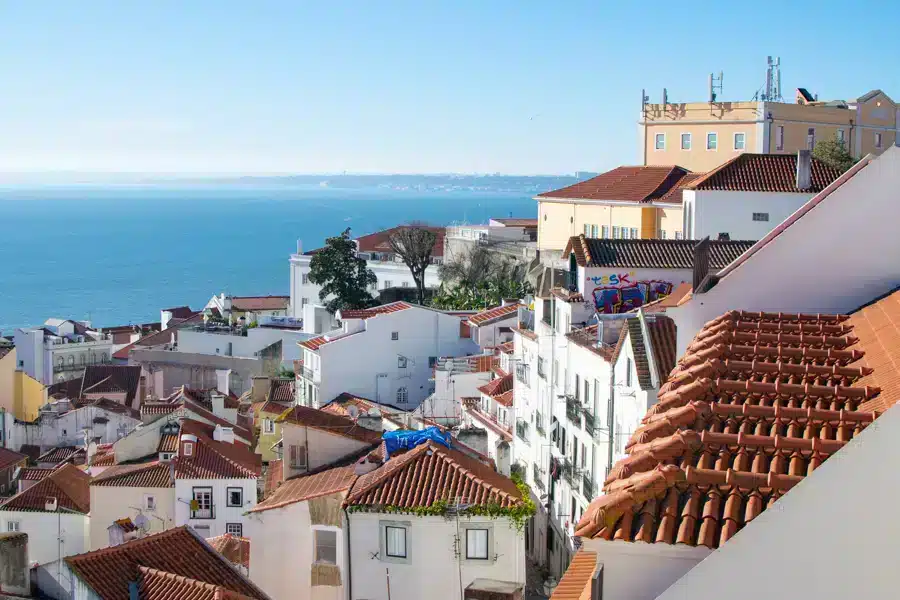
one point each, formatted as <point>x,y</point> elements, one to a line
<point>367,313</point>
<point>329,423</point>
<point>152,474</point>
<point>650,253</point>
<point>100,379</point>
<point>577,577</point>
<point>8,458</point>
<point>497,386</point>
<point>235,549</point>
<point>640,184</point>
<point>492,315</point>
<point>306,487</point>
<point>68,484</point>
<point>749,172</point>
<point>61,454</point>
<point>260,302</point>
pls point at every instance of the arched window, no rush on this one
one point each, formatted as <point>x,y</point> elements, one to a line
<point>402,395</point>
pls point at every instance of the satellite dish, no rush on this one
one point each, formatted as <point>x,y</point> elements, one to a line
<point>374,412</point>
<point>353,411</point>
<point>142,522</point>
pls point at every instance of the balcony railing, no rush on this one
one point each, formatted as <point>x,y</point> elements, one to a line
<point>588,422</point>
<point>522,430</point>
<point>522,373</point>
<point>203,513</point>
<point>573,410</point>
<point>569,472</point>
<point>307,373</point>
<point>538,476</point>
<point>587,487</point>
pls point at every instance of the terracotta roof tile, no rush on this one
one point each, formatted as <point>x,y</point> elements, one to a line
<point>315,343</point>
<point>68,484</point>
<point>61,454</point>
<point>368,313</point>
<point>329,422</point>
<point>260,302</point>
<point>152,475</point>
<point>517,222</point>
<point>497,386</point>
<point>161,585</point>
<point>663,338</point>
<point>577,578</point>
<point>281,390</point>
<point>235,549</point>
<point>8,458</point>
<point>274,477</point>
<point>168,442</point>
<point>650,254</point>
<point>506,348</point>
<point>212,459</point>
<point>273,408</point>
<point>178,552</point>
<point>158,408</point>
<point>877,325</point>
<point>491,315</point>
<point>305,487</point>
<point>432,472</point>
<point>627,184</point>
<point>506,398</point>
<point>380,240</point>
<point>749,172</point>
<point>675,195</point>
<point>758,401</point>
<point>35,473</point>
<point>98,379</point>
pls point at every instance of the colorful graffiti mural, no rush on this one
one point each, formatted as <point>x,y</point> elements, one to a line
<point>618,294</point>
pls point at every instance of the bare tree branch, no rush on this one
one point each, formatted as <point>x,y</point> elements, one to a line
<point>414,244</point>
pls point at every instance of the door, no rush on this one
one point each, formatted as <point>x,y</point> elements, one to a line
<point>382,388</point>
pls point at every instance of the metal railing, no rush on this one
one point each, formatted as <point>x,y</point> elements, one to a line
<point>569,472</point>
<point>522,430</point>
<point>538,476</point>
<point>587,487</point>
<point>588,422</point>
<point>573,410</point>
<point>203,513</point>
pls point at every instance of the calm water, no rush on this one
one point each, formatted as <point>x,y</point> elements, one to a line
<point>118,254</point>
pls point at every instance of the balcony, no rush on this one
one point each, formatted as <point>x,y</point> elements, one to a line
<point>204,513</point>
<point>569,472</point>
<point>588,422</point>
<point>573,410</point>
<point>522,430</point>
<point>490,420</point>
<point>522,374</point>
<point>587,487</point>
<point>538,476</point>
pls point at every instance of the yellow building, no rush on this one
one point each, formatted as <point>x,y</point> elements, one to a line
<point>7,378</point>
<point>279,398</point>
<point>29,395</point>
<point>700,136</point>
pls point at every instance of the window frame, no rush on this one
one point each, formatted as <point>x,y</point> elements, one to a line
<point>13,522</point>
<point>604,232</point>
<point>690,141</point>
<point>758,217</point>
<point>395,336</point>
<point>714,135</point>
<point>734,142</point>
<point>228,491</point>
<point>628,365</point>
<point>879,140</point>
<point>382,539</point>
<point>268,425</point>
<point>402,395</point>
<point>810,138</point>
<point>150,499</point>
<point>491,554</point>
<point>656,140</point>
<point>635,233</point>
<point>212,505</point>
<point>317,531</point>
<point>779,137</point>
<point>240,528</point>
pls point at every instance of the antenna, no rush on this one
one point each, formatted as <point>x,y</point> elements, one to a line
<point>665,98</point>
<point>715,83</point>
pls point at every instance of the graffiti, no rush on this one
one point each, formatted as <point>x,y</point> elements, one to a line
<point>605,280</point>
<point>623,298</point>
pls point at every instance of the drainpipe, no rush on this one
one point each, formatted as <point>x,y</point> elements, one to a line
<point>349,557</point>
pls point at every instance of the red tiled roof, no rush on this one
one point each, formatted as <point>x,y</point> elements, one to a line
<point>676,194</point>
<point>315,343</point>
<point>506,398</point>
<point>757,402</point>
<point>8,458</point>
<point>329,422</point>
<point>35,473</point>
<point>577,578</point>
<point>498,313</point>
<point>61,454</point>
<point>380,240</point>
<point>198,410</point>
<point>507,347</point>
<point>162,585</point>
<point>650,254</point>
<point>428,473</point>
<point>260,302</point>
<point>273,408</point>
<point>367,313</point>
<point>281,390</point>
<point>168,442</point>
<point>749,172</point>
<point>877,325</point>
<point>177,552</point>
<point>235,549</point>
<point>662,339</point>
<point>151,475</point>
<point>641,184</point>
<point>567,296</point>
<point>68,484</point>
<point>497,386</point>
<point>213,459</point>
<point>158,408</point>
<point>305,487</point>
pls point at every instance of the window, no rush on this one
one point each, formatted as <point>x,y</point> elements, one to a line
<point>268,426</point>
<point>604,232</point>
<point>779,137</point>
<point>304,278</point>
<point>628,372</point>
<point>395,335</point>
<point>234,496</point>
<point>660,143</point>
<point>402,395</point>
<point>12,526</point>
<point>685,141</point>
<point>388,283</point>
<point>712,141</point>
<point>594,231</point>
<point>760,216</point>
<point>634,233</point>
<point>395,541</point>
<point>325,546</point>
<point>202,504</point>
<point>616,234</point>
<point>401,362</point>
<point>583,456</point>
<point>587,391</point>
<point>810,138</point>
<point>149,502</point>
<point>405,284</point>
<point>187,449</point>
<point>740,141</point>
<point>679,235</point>
<point>297,456</point>
<point>477,544</point>
<point>234,529</point>
<point>878,139</point>
<point>840,137</point>
<point>625,233</point>
<point>577,387</point>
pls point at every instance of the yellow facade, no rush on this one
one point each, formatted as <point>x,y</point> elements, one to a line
<point>29,395</point>
<point>867,125</point>
<point>7,377</point>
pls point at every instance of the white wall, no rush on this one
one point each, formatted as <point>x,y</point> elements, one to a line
<point>44,527</point>
<point>489,335</point>
<point>109,503</point>
<point>248,346</point>
<point>639,571</point>
<point>323,448</point>
<point>449,387</point>
<point>222,513</point>
<point>433,570</point>
<point>838,256</point>
<point>68,429</point>
<point>818,530</point>
<point>715,212</point>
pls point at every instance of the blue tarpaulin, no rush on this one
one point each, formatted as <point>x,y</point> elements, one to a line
<point>407,440</point>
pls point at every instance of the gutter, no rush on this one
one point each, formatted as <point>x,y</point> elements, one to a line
<point>349,556</point>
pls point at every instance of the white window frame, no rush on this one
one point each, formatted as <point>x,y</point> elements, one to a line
<point>616,232</point>
<point>268,425</point>
<point>879,140</point>
<point>810,138</point>
<point>715,137</point>
<point>464,534</point>
<point>604,231</point>
<point>315,541</point>
<point>228,491</point>
<point>304,278</point>
<point>382,538</point>
<point>13,526</point>
<point>150,502</point>
<point>188,449</point>
<point>635,234</point>
<point>402,395</point>
<point>690,141</point>
<point>743,141</point>
<point>229,528</point>
<point>779,137</point>
<point>656,140</point>
<point>662,234</point>
<point>679,235</point>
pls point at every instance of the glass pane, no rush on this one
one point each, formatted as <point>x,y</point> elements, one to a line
<point>395,542</point>
<point>326,547</point>
<point>477,543</point>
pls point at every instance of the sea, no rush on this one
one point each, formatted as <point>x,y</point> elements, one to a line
<point>117,254</point>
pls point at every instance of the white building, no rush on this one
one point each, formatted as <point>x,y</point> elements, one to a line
<point>61,349</point>
<point>386,353</point>
<point>320,534</point>
<point>746,197</point>
<point>375,248</point>
<point>493,326</point>
<point>55,513</point>
<point>456,378</point>
<point>247,309</point>
<point>245,342</point>
<point>515,238</point>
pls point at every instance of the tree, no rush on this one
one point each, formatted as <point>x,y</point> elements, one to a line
<point>834,153</point>
<point>342,275</point>
<point>480,278</point>
<point>414,245</point>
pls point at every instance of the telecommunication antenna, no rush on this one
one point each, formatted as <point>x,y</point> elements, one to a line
<point>773,81</point>
<point>715,86</point>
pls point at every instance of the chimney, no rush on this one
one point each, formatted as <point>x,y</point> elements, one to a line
<point>223,380</point>
<point>218,404</point>
<point>804,166</point>
<point>259,388</point>
<point>223,434</point>
<point>701,263</point>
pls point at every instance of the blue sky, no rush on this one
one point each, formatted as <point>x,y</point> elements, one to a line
<point>418,86</point>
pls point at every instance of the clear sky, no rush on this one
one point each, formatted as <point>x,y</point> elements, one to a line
<point>376,86</point>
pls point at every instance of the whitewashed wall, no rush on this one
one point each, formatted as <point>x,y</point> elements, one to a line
<point>222,513</point>
<point>111,503</point>
<point>44,527</point>
<point>715,212</point>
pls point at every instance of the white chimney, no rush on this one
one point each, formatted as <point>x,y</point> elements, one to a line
<point>223,434</point>
<point>218,404</point>
<point>223,380</point>
<point>804,167</point>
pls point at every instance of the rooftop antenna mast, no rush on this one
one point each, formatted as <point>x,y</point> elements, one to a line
<point>715,86</point>
<point>773,80</point>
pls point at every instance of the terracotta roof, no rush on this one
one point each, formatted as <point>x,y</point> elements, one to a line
<point>158,408</point>
<point>506,398</point>
<point>104,456</point>
<point>329,422</point>
<point>428,473</point>
<point>676,194</point>
<point>749,172</point>
<point>663,340</point>
<point>758,401</point>
<point>497,386</point>
<point>212,459</point>
<point>177,552</point>
<point>203,397</point>
<point>61,454</point>
<point>514,222</point>
<point>159,338</point>
<point>8,458</point>
<point>576,581</point>
<point>877,325</point>
<point>305,487</point>
<point>273,408</point>
<point>642,184</point>
<point>34,473</point>
<point>367,313</point>
<point>315,343</point>
<point>507,347</point>
<point>567,296</point>
<point>380,240</point>
<point>281,390</point>
<point>168,442</point>
<point>153,474</point>
<point>99,379</point>
<point>161,585</point>
<point>491,315</point>
<point>650,254</point>
<point>235,549</point>
<point>200,411</point>
<point>260,302</point>
<point>68,484</point>
<point>678,294</point>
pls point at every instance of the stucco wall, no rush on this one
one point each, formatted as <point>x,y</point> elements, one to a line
<point>7,373</point>
<point>222,513</point>
<point>29,396</point>
<point>558,221</point>
<point>715,212</point>
<point>42,529</point>
<point>111,503</point>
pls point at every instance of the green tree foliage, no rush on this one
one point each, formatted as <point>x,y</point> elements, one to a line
<point>478,279</point>
<point>414,245</point>
<point>342,275</point>
<point>833,152</point>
